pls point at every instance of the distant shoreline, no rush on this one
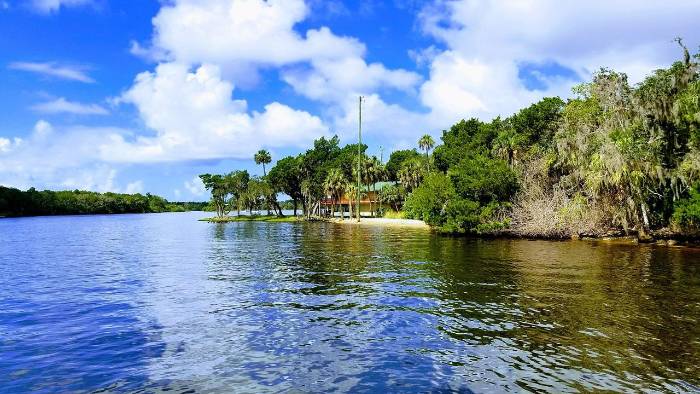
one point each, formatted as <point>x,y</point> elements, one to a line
<point>3,216</point>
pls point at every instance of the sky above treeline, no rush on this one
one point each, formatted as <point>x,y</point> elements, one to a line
<point>142,96</point>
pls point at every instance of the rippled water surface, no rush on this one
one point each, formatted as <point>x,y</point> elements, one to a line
<point>153,302</point>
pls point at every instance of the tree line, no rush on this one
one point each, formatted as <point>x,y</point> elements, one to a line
<point>616,157</point>
<point>14,202</point>
<point>325,171</point>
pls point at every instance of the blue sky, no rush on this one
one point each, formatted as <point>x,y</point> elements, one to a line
<point>142,96</point>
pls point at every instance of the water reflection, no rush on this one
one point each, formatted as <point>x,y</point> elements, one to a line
<point>321,307</point>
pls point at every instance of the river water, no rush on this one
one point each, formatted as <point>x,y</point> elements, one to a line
<point>163,302</point>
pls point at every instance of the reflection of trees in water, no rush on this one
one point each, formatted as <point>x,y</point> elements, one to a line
<point>332,255</point>
<point>567,313</point>
<point>599,307</point>
<point>624,307</point>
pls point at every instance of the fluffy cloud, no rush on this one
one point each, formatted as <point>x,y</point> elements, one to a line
<point>5,145</point>
<point>194,117</point>
<point>190,108</point>
<point>242,36</point>
<point>382,119</point>
<point>336,79</point>
<point>195,186</point>
<point>58,158</point>
<point>53,69</point>
<point>244,32</point>
<point>487,43</point>
<point>477,74</point>
<point>61,105</point>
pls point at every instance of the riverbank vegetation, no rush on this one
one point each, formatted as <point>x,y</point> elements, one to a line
<point>616,158</point>
<point>325,171</point>
<point>14,202</point>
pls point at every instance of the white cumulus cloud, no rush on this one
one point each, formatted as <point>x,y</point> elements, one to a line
<point>244,31</point>
<point>194,117</point>
<point>487,43</point>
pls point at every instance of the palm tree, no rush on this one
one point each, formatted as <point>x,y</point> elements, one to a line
<point>369,178</point>
<point>263,157</point>
<point>306,193</point>
<point>411,174</point>
<point>351,193</point>
<point>376,173</point>
<point>334,185</point>
<point>426,143</point>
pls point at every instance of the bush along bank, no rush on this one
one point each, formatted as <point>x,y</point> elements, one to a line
<point>615,160</point>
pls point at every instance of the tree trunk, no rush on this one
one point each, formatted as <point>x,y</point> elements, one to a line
<point>374,186</point>
<point>279,209</point>
<point>295,207</point>
<point>369,199</point>
<point>341,208</point>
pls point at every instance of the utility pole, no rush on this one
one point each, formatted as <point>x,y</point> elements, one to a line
<point>381,161</point>
<point>359,160</point>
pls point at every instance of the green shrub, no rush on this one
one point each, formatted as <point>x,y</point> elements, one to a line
<point>461,216</point>
<point>686,212</point>
<point>484,179</point>
<point>428,201</point>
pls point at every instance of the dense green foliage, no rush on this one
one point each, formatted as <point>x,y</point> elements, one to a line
<point>14,202</point>
<point>614,157</point>
<point>397,160</point>
<point>326,171</point>
<point>285,177</point>
<point>686,215</point>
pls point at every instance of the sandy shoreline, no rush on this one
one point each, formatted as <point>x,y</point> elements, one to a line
<point>378,222</point>
<point>383,222</point>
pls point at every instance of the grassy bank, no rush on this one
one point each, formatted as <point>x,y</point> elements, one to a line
<point>253,218</point>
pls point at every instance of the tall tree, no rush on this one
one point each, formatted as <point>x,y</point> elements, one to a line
<point>426,143</point>
<point>263,157</point>
<point>239,185</point>
<point>334,185</point>
<point>221,188</point>
<point>315,164</point>
<point>411,174</point>
<point>286,177</point>
<point>396,160</point>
